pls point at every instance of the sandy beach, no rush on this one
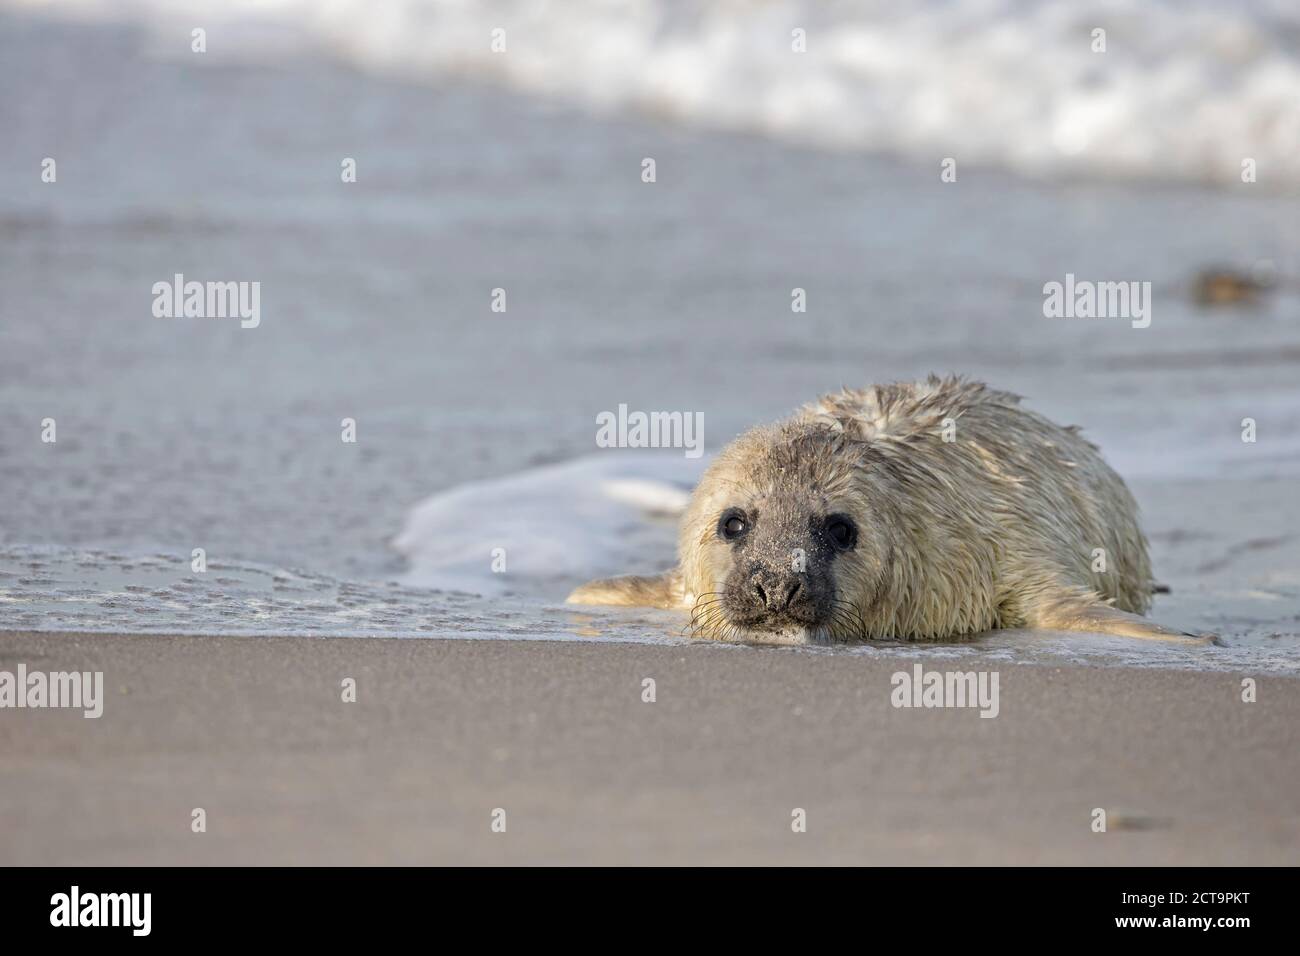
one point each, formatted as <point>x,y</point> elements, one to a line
<point>442,733</point>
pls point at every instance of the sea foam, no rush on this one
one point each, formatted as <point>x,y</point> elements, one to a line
<point>545,530</point>
<point>1185,89</point>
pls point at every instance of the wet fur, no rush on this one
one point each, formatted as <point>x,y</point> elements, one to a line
<point>994,529</point>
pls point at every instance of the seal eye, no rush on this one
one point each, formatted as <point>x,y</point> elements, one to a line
<point>732,525</point>
<point>843,532</point>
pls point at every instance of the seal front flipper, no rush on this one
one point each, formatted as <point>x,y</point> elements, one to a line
<point>1069,610</point>
<point>659,590</point>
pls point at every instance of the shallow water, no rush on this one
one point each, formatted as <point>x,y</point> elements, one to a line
<point>100,591</point>
<point>1240,582</point>
<point>175,434</point>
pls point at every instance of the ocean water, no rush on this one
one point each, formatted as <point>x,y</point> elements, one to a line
<point>476,429</point>
<point>1167,89</point>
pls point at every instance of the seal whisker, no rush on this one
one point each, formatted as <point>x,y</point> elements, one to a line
<point>843,616</point>
<point>840,626</point>
<point>709,623</point>
<point>700,612</point>
<point>706,621</point>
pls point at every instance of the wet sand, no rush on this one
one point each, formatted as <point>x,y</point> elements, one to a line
<point>254,731</point>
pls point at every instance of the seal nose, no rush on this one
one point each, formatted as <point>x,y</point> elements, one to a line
<point>776,593</point>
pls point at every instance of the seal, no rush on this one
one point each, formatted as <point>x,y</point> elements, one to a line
<point>911,511</point>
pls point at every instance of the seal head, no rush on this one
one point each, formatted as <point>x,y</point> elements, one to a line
<point>781,537</point>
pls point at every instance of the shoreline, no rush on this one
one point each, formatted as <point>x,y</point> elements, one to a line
<point>443,732</point>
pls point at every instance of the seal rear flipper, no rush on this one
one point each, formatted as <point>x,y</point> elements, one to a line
<point>1071,611</point>
<point>632,590</point>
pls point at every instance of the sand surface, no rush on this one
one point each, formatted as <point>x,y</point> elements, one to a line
<point>254,731</point>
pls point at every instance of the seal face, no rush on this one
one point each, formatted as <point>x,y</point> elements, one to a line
<point>782,574</point>
<point>788,545</point>
<point>780,543</point>
<point>928,510</point>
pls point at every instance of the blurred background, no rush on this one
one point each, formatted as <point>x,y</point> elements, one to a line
<point>796,145</point>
